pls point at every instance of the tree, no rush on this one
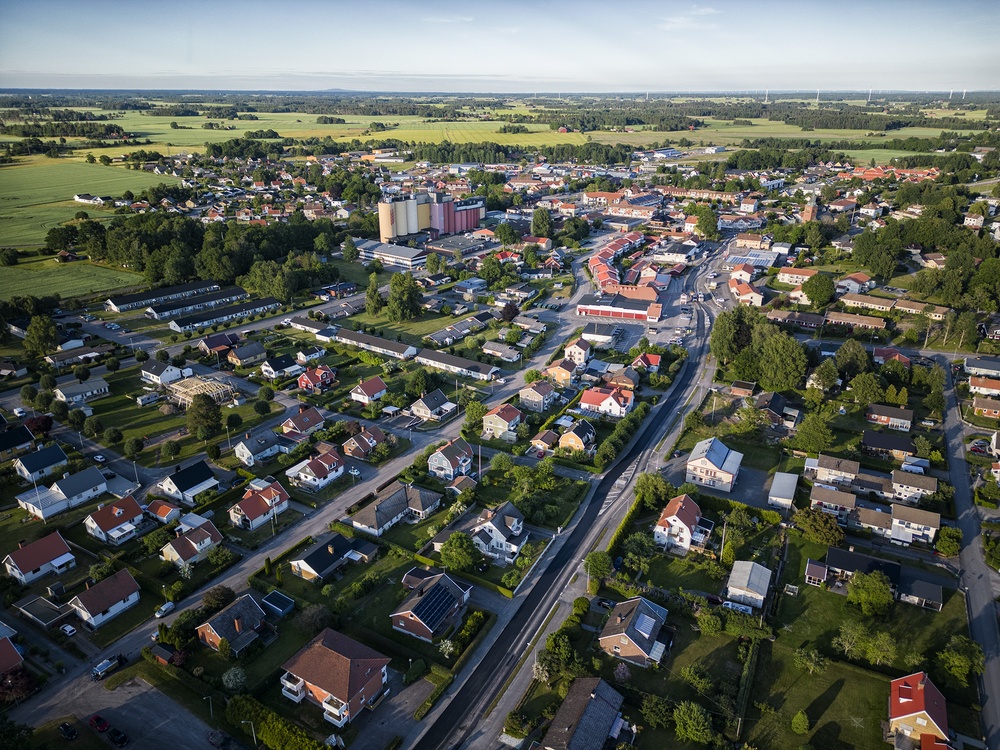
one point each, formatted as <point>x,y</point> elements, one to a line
<point>501,463</point>
<point>265,393</point>
<point>234,679</point>
<point>531,376</point>
<point>162,355</point>
<point>44,400</point>
<point>851,639</point>
<point>880,649</point>
<point>225,650</point>
<point>652,490</point>
<point>41,336</point>
<point>509,311</point>
<point>234,421</point>
<point>656,711</point>
<point>261,408</point>
<point>692,722</point>
<point>949,541</point>
<point>204,412</point>
<point>101,570</point>
<point>814,436</point>
<point>871,592</point>
<point>13,734</point>
<point>639,550</point>
<point>694,420</point>
<point>76,419</point>
<point>749,420</point>
<point>800,723</point>
<point>541,223</point>
<point>827,374</point>
<point>459,553</point>
<point>93,426</point>
<point>313,619</point>
<point>112,436</point>
<point>349,250</point>
<point>81,372</point>
<point>213,451</point>
<point>141,355</point>
<point>373,298</point>
<point>39,425</point>
<point>404,298</point>
<point>474,413</point>
<point>709,623</point>
<point>960,658</point>
<point>852,359</point>
<point>133,447</point>
<point>28,394</point>
<point>819,288</point>
<point>818,527</point>
<point>506,235</point>
<point>866,389</point>
<point>622,673</point>
<point>708,222</point>
<point>60,410</point>
<point>810,660</point>
<point>218,597</point>
<point>447,648</point>
<point>598,565</point>
<point>113,364</point>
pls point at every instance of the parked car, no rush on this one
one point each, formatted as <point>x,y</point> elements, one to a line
<point>20,413</point>
<point>605,603</point>
<point>68,731</point>
<point>99,723</point>
<point>68,630</point>
<point>165,609</point>
<point>99,459</point>
<point>118,738</point>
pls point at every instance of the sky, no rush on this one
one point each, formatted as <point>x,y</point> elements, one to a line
<point>500,46</point>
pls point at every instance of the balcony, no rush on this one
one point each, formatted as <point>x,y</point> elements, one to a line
<point>292,687</point>
<point>335,711</point>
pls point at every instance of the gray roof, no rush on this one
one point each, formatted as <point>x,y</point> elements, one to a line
<point>192,476</point>
<point>639,619</point>
<point>43,458</point>
<point>392,501</point>
<point>886,442</point>
<point>433,400</point>
<point>586,716</point>
<point>718,454</point>
<point>433,599</point>
<point>154,367</point>
<point>82,481</point>
<point>253,349</point>
<point>261,441</point>
<point>245,609</point>
<point>88,386</point>
<point>919,481</point>
<point>832,463</point>
<point>783,486</point>
<point>750,576</point>
<point>15,438</point>
<point>504,518</point>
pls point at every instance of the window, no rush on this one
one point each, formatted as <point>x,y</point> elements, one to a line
<point>617,649</point>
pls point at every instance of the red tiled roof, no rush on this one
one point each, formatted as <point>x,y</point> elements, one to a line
<point>372,386</point>
<point>9,658</point>
<point>915,693</point>
<point>507,412</point>
<point>113,515</point>
<point>36,554</point>
<point>686,510</point>
<point>161,508</point>
<point>256,503</point>
<point>336,664</point>
<point>185,544</point>
<point>306,420</point>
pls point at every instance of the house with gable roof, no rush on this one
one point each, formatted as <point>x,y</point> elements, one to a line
<point>586,718</point>
<point>106,599</point>
<point>538,396</point>
<point>432,406</point>
<point>435,603</point>
<point>748,583</point>
<point>451,460</point>
<point>41,463</point>
<point>29,562</point>
<point>613,402</point>
<point>306,422</point>
<point>317,379</point>
<point>680,526</point>
<point>263,500</point>
<point>369,390</point>
<point>501,422</point>
<point>185,484</point>
<point>917,710</point>
<point>393,504</point>
<point>712,464</point>
<point>196,537</point>
<point>162,511</point>
<point>316,473</point>
<point>362,444</point>
<point>580,437</point>
<point>240,624</point>
<point>65,493</point>
<point>258,447</point>
<point>115,523</point>
<point>500,533</point>
<point>635,632</point>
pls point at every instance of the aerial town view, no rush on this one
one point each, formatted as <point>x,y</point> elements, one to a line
<point>485,375</point>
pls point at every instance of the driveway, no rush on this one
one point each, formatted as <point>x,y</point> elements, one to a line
<point>749,487</point>
<point>394,716</point>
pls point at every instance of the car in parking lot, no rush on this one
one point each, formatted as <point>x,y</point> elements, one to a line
<point>68,630</point>
<point>20,413</point>
<point>99,724</point>
<point>165,609</point>
<point>68,731</point>
<point>118,737</point>
<point>354,472</point>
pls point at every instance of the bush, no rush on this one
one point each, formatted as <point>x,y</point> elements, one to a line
<point>272,730</point>
<point>415,672</point>
<point>800,723</point>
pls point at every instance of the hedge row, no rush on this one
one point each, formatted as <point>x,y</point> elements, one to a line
<point>270,728</point>
<point>428,704</point>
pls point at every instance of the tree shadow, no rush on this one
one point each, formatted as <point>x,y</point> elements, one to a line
<point>822,702</point>
<point>827,737</point>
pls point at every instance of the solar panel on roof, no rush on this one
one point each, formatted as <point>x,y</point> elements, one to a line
<point>433,606</point>
<point>645,624</point>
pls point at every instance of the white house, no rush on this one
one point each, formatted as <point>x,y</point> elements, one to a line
<point>451,460</point>
<point>186,484</point>
<point>40,463</point>
<point>782,492</point>
<point>115,522</point>
<point>261,502</point>
<point>369,390</point>
<point>748,583</point>
<point>105,600</point>
<point>317,473</point>
<point>50,554</point>
<point>500,533</point>
<point>612,402</point>
<point>909,488</point>
<point>680,525</point>
<point>712,464</point>
<point>161,373</point>
<point>70,491</point>
<point>914,525</point>
<point>196,537</point>
<point>78,393</point>
<point>258,448</point>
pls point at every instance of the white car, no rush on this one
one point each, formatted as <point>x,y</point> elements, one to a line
<point>502,381</point>
<point>99,459</point>
<point>354,472</point>
<point>68,630</point>
<point>165,609</point>
<point>20,413</point>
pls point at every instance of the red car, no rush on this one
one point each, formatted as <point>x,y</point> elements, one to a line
<point>98,723</point>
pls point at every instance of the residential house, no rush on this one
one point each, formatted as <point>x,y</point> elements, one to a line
<point>78,393</point>
<point>544,441</point>
<point>258,448</point>
<point>795,276</point>
<point>918,711</point>
<point>587,717</point>
<point>15,441</point>
<point>451,460</point>
<point>366,441</point>
<point>456,365</point>
<point>29,562</point>
<point>432,406</point>
<point>910,307</point>
<point>984,386</point>
<point>873,520</point>
<point>262,501</point>
<point>743,272</point>
<point>986,407</point>
<point>578,351</point>
<point>909,488</point>
<point>867,302</point>
<point>849,320</point>
<point>647,362</point>
<point>581,437</point>
<point>635,632</point>
<point>712,464</point>
<point>10,658</point>
<point>106,599</point>
<point>393,504</point>
<point>562,373</point>
<point>883,354</point>
<point>69,492</point>
<point>161,373</point>
<point>748,583</point>
<point>316,473</point>
<point>320,561</point>
<point>317,379</point>
<point>914,525</point>
<point>500,534</point>
<point>837,471</point>
<point>537,397</point>
<point>218,343</point>
<point>239,624</point>
<point>838,504</point>
<point>435,604</point>
<point>375,344</point>
<point>625,378</point>
<point>842,564</point>
<point>337,674</point>
<point>162,511</point>
<point>745,294</point>
<point>855,283</point>
<point>41,463</point>
<point>680,526</point>
<point>280,367</point>
<point>196,538</point>
<point>115,523</point>
<point>501,351</point>
<point>773,406</point>
<point>612,402</point>
<point>185,484</point>
<point>986,366</point>
<point>369,390</point>
<point>306,422</point>
<point>886,446</point>
<point>501,423</point>
<point>310,354</point>
<point>892,417</point>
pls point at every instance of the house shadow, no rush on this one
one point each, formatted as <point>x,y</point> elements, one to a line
<point>821,703</point>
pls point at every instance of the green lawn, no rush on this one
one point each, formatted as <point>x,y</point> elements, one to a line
<point>36,194</point>
<point>689,573</point>
<point>127,621</point>
<point>66,279</point>
<point>413,536</point>
<point>411,331</point>
<point>47,735</point>
<point>252,539</point>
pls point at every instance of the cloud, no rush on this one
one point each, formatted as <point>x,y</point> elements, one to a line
<point>699,10</point>
<point>690,20</point>
<point>448,19</point>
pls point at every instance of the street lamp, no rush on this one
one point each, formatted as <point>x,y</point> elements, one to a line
<point>254,731</point>
<point>163,587</point>
<point>211,712</point>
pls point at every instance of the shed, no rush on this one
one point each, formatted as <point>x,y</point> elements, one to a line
<point>278,604</point>
<point>782,493</point>
<point>164,653</point>
<point>748,583</point>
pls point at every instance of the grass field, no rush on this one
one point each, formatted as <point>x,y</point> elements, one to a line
<point>36,193</point>
<point>45,276</point>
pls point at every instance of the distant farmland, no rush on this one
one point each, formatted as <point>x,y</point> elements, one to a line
<point>42,276</point>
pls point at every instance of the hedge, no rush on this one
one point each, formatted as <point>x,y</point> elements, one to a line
<point>271,729</point>
<point>474,644</point>
<point>428,704</point>
<point>725,505</point>
<point>625,526</point>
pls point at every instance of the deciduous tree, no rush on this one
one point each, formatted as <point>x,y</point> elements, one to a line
<point>871,592</point>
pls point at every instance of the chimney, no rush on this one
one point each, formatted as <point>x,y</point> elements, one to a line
<point>238,625</point>
<point>621,619</point>
<point>329,548</point>
<point>923,680</point>
<point>303,407</point>
<point>22,544</point>
<point>66,475</point>
<point>247,435</point>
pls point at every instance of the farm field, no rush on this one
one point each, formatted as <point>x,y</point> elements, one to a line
<point>36,194</point>
<point>40,276</point>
